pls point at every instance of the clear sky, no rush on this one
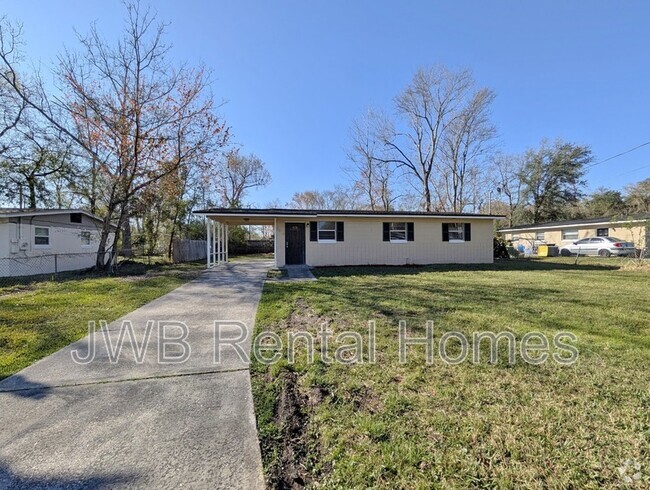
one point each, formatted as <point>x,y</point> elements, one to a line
<point>295,73</point>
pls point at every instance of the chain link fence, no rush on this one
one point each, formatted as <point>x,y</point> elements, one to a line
<point>16,269</point>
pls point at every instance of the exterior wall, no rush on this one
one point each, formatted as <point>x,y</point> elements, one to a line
<point>20,256</point>
<point>364,245</point>
<point>635,234</point>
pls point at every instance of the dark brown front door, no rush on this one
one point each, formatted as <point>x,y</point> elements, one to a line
<point>294,243</point>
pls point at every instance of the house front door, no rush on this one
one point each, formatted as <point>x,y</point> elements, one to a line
<point>294,243</point>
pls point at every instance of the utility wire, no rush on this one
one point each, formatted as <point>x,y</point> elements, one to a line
<point>634,170</point>
<point>619,154</point>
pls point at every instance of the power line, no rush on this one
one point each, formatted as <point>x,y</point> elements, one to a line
<point>634,170</point>
<point>619,154</point>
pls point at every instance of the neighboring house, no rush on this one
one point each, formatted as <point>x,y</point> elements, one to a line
<point>634,229</point>
<point>45,241</point>
<point>335,238</point>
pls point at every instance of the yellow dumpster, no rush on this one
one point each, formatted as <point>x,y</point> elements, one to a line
<point>542,250</point>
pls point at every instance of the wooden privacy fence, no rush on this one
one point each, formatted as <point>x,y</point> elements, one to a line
<point>188,250</point>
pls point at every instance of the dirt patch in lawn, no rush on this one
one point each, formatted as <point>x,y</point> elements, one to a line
<point>292,420</point>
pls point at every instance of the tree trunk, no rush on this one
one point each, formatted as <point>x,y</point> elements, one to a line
<point>31,185</point>
<point>126,233</point>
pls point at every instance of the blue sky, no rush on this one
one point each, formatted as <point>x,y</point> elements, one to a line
<point>295,73</point>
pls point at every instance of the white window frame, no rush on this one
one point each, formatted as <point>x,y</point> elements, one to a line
<point>458,226</point>
<point>391,231</point>
<point>571,231</point>
<point>602,236</point>
<point>326,240</point>
<point>537,236</point>
<point>49,237</point>
<point>82,237</point>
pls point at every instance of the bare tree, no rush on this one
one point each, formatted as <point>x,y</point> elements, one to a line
<point>12,105</point>
<point>239,173</point>
<point>443,128</point>
<point>466,143</point>
<point>371,173</point>
<point>508,169</point>
<point>121,104</point>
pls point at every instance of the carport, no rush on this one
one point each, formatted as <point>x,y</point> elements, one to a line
<point>219,222</point>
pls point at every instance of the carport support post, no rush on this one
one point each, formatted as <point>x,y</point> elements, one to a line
<point>208,242</point>
<point>227,233</point>
<point>218,243</point>
<point>275,241</point>
<point>214,242</point>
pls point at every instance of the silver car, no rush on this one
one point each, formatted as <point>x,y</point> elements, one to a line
<point>603,246</point>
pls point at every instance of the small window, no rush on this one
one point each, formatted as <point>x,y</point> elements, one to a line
<point>75,217</point>
<point>398,232</point>
<point>85,239</point>
<point>456,232</point>
<point>596,240</point>
<point>584,241</point>
<point>41,236</point>
<point>539,236</point>
<point>602,232</point>
<point>327,231</point>
<point>569,234</point>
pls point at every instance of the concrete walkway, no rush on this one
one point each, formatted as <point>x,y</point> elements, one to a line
<point>300,272</point>
<point>137,422</point>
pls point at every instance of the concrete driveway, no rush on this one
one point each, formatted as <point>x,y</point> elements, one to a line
<point>138,422</point>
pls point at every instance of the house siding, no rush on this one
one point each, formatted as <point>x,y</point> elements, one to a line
<point>364,245</point>
<point>17,259</point>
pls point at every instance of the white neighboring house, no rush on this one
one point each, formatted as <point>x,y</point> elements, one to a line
<point>46,241</point>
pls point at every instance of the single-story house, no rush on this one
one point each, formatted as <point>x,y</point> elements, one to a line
<point>45,241</point>
<point>337,237</point>
<point>634,229</point>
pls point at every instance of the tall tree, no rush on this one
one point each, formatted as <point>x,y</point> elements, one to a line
<point>604,202</point>
<point>466,143</point>
<point>35,157</point>
<point>508,183</point>
<point>372,175</point>
<point>443,127</point>
<point>552,176</point>
<point>121,104</point>
<point>240,173</point>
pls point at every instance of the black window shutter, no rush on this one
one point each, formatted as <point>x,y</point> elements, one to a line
<point>410,232</point>
<point>387,232</point>
<point>339,231</point>
<point>445,232</point>
<point>468,232</point>
<point>313,231</point>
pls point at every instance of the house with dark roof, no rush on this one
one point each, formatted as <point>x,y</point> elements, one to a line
<point>46,241</point>
<point>635,229</point>
<point>358,237</point>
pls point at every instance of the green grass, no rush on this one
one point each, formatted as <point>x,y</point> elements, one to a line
<point>38,318</point>
<point>391,425</point>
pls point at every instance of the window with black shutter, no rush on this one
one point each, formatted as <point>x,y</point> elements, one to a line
<point>339,231</point>
<point>456,232</point>
<point>398,232</point>
<point>326,231</point>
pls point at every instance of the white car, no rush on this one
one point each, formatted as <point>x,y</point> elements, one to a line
<point>603,246</point>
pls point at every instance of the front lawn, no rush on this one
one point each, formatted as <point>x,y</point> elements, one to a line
<point>41,317</point>
<point>391,425</point>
